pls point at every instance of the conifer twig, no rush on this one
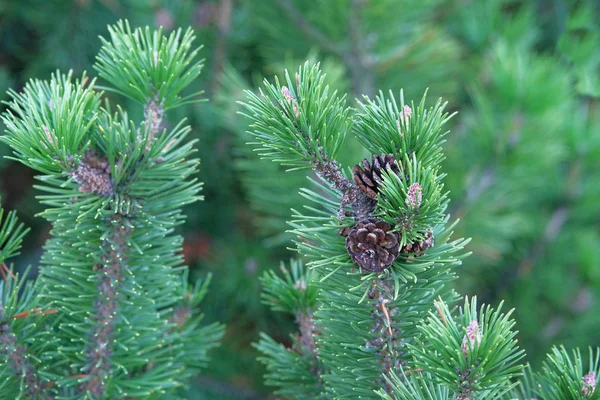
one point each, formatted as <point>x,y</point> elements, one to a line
<point>351,194</point>
<point>307,330</point>
<point>106,307</point>
<point>18,358</point>
<point>383,329</point>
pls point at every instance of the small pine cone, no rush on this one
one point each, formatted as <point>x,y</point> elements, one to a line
<point>419,247</point>
<point>369,176</point>
<point>371,245</point>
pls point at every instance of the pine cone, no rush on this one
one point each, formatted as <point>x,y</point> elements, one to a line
<point>371,245</point>
<point>419,247</point>
<point>369,176</point>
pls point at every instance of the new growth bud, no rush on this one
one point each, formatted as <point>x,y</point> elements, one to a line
<point>588,385</point>
<point>403,118</point>
<point>48,135</point>
<point>288,96</point>
<point>472,336</point>
<point>300,285</point>
<point>414,196</point>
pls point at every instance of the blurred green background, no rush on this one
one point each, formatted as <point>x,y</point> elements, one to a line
<point>523,155</point>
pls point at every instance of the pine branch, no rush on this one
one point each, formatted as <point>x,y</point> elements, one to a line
<point>106,307</point>
<point>564,375</point>
<point>17,356</point>
<point>114,192</point>
<point>296,372</point>
<point>141,64</point>
<point>23,342</point>
<point>307,126</point>
<point>475,356</point>
<point>352,195</point>
<point>307,331</point>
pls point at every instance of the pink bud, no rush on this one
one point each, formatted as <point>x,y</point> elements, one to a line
<point>288,96</point>
<point>300,285</point>
<point>414,196</point>
<point>286,93</point>
<point>403,118</point>
<point>588,384</point>
<point>473,335</point>
<point>48,135</point>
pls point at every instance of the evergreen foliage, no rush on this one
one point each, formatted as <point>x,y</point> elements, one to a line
<point>522,161</point>
<point>125,321</point>
<point>388,333</point>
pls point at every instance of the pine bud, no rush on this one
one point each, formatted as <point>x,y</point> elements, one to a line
<point>473,335</point>
<point>49,135</point>
<point>414,196</point>
<point>93,175</point>
<point>588,384</point>
<point>288,96</point>
<point>300,285</point>
<point>403,118</point>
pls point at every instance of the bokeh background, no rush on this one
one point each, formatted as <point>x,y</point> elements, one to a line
<point>523,155</point>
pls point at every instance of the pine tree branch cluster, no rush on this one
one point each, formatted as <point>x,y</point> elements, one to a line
<point>17,357</point>
<point>383,323</point>
<point>120,319</point>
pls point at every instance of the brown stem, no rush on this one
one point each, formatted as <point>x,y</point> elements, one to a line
<point>17,357</point>
<point>106,307</point>
<point>352,195</point>
<point>153,115</point>
<point>466,390</point>
<point>306,325</point>
<point>384,333</point>
<point>307,331</point>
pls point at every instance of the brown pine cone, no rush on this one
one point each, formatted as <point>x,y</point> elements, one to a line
<point>369,176</point>
<point>371,245</point>
<point>419,247</point>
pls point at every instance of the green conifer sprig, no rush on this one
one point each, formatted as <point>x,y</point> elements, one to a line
<point>412,218</point>
<point>23,341</point>
<point>49,123</point>
<point>565,376</point>
<point>299,124</point>
<point>289,371</point>
<point>148,66</point>
<point>383,126</point>
<point>126,323</point>
<point>11,235</point>
<point>295,294</point>
<point>364,320</point>
<point>414,385</point>
<point>292,294</point>
<point>24,344</point>
<point>473,353</point>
